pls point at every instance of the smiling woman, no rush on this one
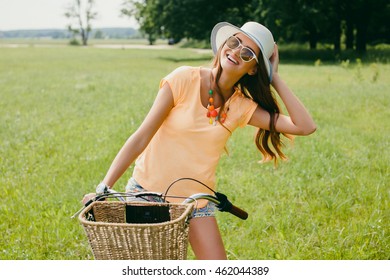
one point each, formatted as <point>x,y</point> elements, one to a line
<point>64,113</point>
<point>193,116</point>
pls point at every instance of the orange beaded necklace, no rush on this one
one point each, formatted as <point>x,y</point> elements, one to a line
<point>212,113</point>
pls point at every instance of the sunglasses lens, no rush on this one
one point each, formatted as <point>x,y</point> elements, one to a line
<point>246,54</point>
<point>232,42</point>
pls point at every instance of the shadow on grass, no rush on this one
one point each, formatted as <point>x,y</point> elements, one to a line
<point>201,58</point>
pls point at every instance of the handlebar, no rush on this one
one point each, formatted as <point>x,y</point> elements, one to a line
<point>222,203</point>
<point>220,200</point>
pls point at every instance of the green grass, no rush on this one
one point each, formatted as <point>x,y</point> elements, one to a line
<point>66,111</point>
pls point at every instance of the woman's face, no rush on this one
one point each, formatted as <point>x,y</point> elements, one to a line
<point>231,59</point>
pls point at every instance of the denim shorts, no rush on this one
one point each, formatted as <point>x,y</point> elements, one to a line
<point>134,187</point>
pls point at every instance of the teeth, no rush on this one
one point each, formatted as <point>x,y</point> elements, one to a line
<point>232,59</point>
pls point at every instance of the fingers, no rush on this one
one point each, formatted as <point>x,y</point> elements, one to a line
<point>88,197</point>
<point>274,59</point>
<point>275,54</point>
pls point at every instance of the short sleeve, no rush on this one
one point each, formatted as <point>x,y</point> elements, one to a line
<point>177,81</point>
<point>247,108</point>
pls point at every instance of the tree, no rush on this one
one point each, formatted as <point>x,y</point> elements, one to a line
<point>298,20</point>
<point>178,19</point>
<point>364,22</point>
<point>322,21</point>
<point>148,14</point>
<point>365,13</point>
<point>81,12</point>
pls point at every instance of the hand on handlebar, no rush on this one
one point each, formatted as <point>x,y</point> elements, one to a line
<point>88,197</point>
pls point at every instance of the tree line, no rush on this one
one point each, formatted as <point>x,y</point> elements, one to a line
<point>100,33</point>
<point>353,23</point>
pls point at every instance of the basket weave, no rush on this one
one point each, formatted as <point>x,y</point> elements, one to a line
<point>111,238</point>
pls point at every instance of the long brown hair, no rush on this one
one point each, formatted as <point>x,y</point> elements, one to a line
<point>258,88</point>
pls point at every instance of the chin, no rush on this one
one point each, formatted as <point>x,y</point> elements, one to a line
<point>226,64</point>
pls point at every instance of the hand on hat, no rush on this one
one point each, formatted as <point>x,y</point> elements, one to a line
<point>274,59</point>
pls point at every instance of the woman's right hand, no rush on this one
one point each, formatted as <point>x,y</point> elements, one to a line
<point>88,197</point>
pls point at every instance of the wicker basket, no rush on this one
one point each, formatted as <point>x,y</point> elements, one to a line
<point>112,238</point>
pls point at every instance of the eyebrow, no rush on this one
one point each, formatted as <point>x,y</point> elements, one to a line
<point>244,45</point>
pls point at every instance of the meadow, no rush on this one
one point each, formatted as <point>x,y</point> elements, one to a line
<point>66,111</point>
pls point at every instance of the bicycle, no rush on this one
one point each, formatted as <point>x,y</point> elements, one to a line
<point>135,228</point>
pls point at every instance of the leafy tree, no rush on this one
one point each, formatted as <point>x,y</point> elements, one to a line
<point>378,31</point>
<point>326,21</point>
<point>195,18</point>
<point>148,14</point>
<point>178,19</point>
<point>81,13</point>
<point>368,18</point>
<point>296,20</point>
<point>361,21</point>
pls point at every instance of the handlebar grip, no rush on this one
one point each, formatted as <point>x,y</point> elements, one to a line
<point>226,206</point>
<point>238,212</point>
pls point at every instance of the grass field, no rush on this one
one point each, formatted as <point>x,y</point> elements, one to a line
<point>66,111</point>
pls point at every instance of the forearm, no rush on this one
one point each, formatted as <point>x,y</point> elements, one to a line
<point>125,157</point>
<point>300,117</point>
<point>137,142</point>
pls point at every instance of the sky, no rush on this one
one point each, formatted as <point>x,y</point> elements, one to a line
<point>43,14</point>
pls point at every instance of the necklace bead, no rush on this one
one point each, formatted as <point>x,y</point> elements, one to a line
<point>212,113</point>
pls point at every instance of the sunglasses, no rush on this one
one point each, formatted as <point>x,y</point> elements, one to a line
<point>246,53</point>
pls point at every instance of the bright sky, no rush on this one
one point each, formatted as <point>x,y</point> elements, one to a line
<point>39,14</point>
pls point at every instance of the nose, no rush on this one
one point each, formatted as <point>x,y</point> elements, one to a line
<point>237,51</point>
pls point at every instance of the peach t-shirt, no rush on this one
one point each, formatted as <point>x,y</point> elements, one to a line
<point>186,144</point>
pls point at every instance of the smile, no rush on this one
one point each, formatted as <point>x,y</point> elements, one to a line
<point>230,58</point>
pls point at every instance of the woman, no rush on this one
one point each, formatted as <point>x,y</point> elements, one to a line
<point>193,116</point>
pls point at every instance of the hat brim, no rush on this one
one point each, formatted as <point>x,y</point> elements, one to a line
<point>223,30</point>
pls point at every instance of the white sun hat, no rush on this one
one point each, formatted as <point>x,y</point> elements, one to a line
<point>255,31</point>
